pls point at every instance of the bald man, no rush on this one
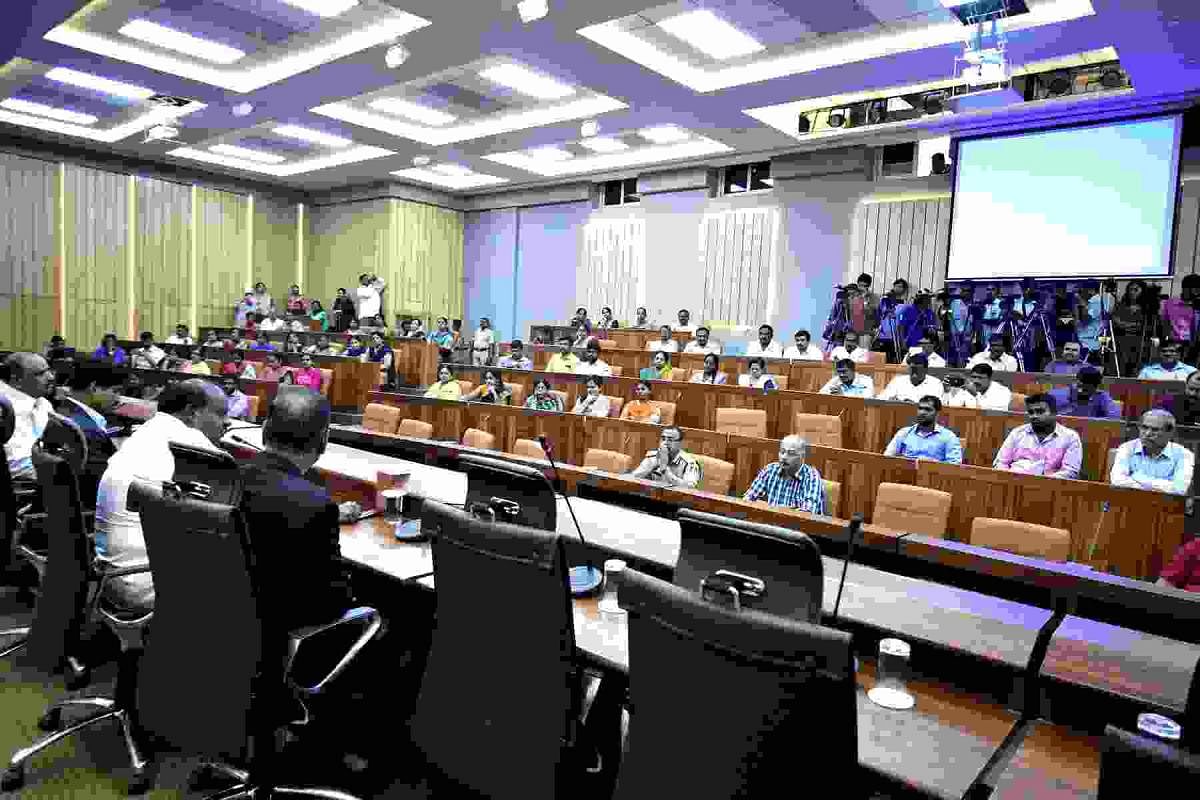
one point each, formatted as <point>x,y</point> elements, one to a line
<point>789,482</point>
<point>28,390</point>
<point>191,412</point>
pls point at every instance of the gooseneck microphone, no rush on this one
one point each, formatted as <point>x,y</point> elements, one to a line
<point>855,526</point>
<point>585,579</point>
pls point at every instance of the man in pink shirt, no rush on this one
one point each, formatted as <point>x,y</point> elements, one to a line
<point>1043,447</point>
<point>1180,314</point>
<point>308,375</point>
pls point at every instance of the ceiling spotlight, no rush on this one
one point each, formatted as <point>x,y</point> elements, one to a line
<point>877,113</point>
<point>1059,84</point>
<point>531,10</point>
<point>589,128</point>
<point>420,161</point>
<point>837,118</point>
<point>242,110</point>
<point>804,125</point>
<point>934,102</point>
<point>939,164</point>
<point>396,55</point>
<point>159,132</point>
<point>1112,79</point>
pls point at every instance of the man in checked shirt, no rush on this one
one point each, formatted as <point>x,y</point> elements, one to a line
<point>789,482</point>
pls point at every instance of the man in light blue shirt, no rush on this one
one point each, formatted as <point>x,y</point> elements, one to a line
<point>927,439</point>
<point>848,383</point>
<point>1169,367</point>
<point>1153,461</point>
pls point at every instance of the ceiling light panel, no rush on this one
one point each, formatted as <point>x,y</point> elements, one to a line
<point>522,79</point>
<point>323,8</point>
<point>604,144</point>
<point>312,136</point>
<point>49,112</point>
<point>691,147</point>
<point>340,158</point>
<point>454,179</point>
<point>247,154</point>
<point>414,111</point>
<point>161,36</point>
<point>625,37</point>
<point>158,115</point>
<point>551,153</point>
<point>86,80</point>
<point>710,34</point>
<point>664,134</point>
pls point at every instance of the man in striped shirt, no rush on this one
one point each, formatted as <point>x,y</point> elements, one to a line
<point>789,482</point>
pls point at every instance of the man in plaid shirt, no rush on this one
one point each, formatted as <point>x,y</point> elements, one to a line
<point>789,482</point>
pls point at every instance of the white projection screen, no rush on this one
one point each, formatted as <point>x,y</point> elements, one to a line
<point>1096,201</point>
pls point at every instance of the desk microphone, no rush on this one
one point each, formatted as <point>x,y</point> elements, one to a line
<point>855,526</point>
<point>585,579</point>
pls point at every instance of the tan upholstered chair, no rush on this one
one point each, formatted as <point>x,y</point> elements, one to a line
<point>696,372</point>
<point>562,399</point>
<point>1108,465</point>
<point>911,509</point>
<point>744,421</point>
<point>253,401</point>
<point>781,381</point>
<point>1017,403</point>
<point>607,344</point>
<point>607,460</point>
<point>614,406</point>
<point>482,440</point>
<point>876,358</point>
<point>824,430</point>
<point>716,475</point>
<point>617,371</point>
<point>833,498</point>
<point>465,388</point>
<point>529,449</point>
<point>415,428</point>
<point>667,411</point>
<point>381,418</point>
<point>1022,538</point>
<point>516,394</point>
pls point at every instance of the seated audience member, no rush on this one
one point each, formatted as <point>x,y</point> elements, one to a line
<point>296,326</point>
<point>238,366</point>
<point>261,342</point>
<point>1085,398</point>
<point>321,342</point>
<point>918,383</point>
<point>1153,461</point>
<point>664,342</point>
<point>191,412</point>
<point>988,393</point>
<point>181,336</point>
<point>1169,367</point>
<point>317,312</point>
<point>685,321</point>
<point>583,335</point>
<point>640,409</point>
<point>250,329</point>
<point>343,310</point>
<point>643,320</point>
<point>1043,446</point>
<point>564,361</point>
<point>148,355</point>
<point>353,328</point>
<point>994,356</point>
<point>295,304</point>
<point>483,343</point>
<point>960,391</point>
<point>849,349</point>
<point>56,348</point>
<point>606,320</point>
<point>804,349</point>
<point>757,377</point>
<point>591,403</point>
<point>492,390</point>
<point>212,341</point>
<point>590,363</point>
<point>416,330</point>
<point>1068,363</point>
<point>542,399</point>
<point>660,368</point>
<point>516,358</point>
<point>245,308</point>
<point>447,386</point>
<point>272,323</point>
<point>1185,407</point>
<point>237,404</point>
<point>928,346</point>
<point>195,364</point>
<point>766,344</point>
<point>711,372</point>
<point>702,343</point>
<point>381,353</point>
<point>293,344</point>
<point>357,347</point>
<point>373,323</point>
<point>29,390</point>
<point>848,383</point>
<point>1183,570</point>
<point>287,378</point>
<point>303,578</point>
<point>443,337</point>
<point>309,374</point>
<point>580,318</point>
<point>925,438</point>
<point>670,463</point>
<point>109,351</point>
<point>789,482</point>
<point>274,368</point>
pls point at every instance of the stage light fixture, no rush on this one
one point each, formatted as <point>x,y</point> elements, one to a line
<point>804,124</point>
<point>1059,84</point>
<point>877,113</point>
<point>934,102</point>
<point>396,55</point>
<point>589,128</point>
<point>837,117</point>
<point>420,161</point>
<point>1112,79</point>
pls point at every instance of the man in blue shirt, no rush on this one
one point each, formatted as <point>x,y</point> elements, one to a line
<point>789,482</point>
<point>1085,398</point>
<point>1153,461</point>
<point>927,439</point>
<point>1068,363</point>
<point>1169,368</point>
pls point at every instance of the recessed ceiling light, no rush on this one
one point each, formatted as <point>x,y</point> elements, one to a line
<point>396,55</point>
<point>420,161</point>
<point>310,135</point>
<point>551,153</point>
<point>530,10</point>
<point>452,169</point>
<point>710,34</point>
<point>589,127</point>
<point>695,147</point>
<point>242,109</point>
<point>521,79</point>
<point>411,110</point>
<point>95,82</point>
<point>50,112</point>
<point>604,144</point>
<point>471,180</point>
<point>664,134</point>
<point>247,153</point>
<point>161,36</point>
<point>323,8</point>
<point>350,155</point>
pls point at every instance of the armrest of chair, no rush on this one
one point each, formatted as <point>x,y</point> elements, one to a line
<point>365,618</point>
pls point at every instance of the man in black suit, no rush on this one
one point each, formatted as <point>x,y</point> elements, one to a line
<point>292,520</point>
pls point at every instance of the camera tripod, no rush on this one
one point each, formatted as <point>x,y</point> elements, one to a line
<point>837,323</point>
<point>890,314</point>
<point>1035,324</point>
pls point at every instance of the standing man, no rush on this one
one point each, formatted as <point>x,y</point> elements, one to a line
<point>925,438</point>
<point>368,296</point>
<point>848,383</point>
<point>28,390</point>
<point>891,309</point>
<point>670,463</point>
<point>1041,447</point>
<point>864,307</point>
<point>1153,461</point>
<point>993,312</point>
<point>789,482</point>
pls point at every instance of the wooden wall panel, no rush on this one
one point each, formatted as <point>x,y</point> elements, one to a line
<point>221,267</point>
<point>343,242</point>
<point>99,297</point>
<point>424,268</point>
<point>163,251</point>
<point>274,255</point>
<point>28,251</point>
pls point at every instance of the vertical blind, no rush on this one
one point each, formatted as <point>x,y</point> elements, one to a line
<point>614,254</point>
<point>907,239</point>
<point>740,252</point>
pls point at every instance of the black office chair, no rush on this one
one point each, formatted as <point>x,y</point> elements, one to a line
<point>210,475</point>
<point>733,704</point>
<point>498,704</point>
<point>209,683</point>
<point>11,639</point>
<point>784,567</point>
<point>1132,763</point>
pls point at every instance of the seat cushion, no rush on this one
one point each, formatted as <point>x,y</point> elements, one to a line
<point>1023,538</point>
<point>912,509</point>
<point>743,421</point>
<point>716,475</point>
<point>607,460</point>
<point>381,418</point>
<point>824,430</point>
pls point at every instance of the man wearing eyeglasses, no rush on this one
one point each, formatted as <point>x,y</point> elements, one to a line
<point>1153,461</point>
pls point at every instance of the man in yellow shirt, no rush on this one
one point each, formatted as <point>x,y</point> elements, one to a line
<point>565,361</point>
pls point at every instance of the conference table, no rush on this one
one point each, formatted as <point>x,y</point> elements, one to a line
<point>943,746</point>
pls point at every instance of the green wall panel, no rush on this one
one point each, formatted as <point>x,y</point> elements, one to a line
<point>275,235</point>
<point>97,287</point>
<point>163,256</point>
<point>425,271</point>
<point>343,242</point>
<point>221,252</point>
<point>28,251</point>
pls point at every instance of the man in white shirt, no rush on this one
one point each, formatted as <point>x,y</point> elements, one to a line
<point>757,377</point>
<point>988,393</point>
<point>368,296</point>
<point>960,391</point>
<point>590,363</point>
<point>180,336</point>
<point>272,322</point>
<point>701,343</point>
<point>849,349</point>
<point>804,349</point>
<point>149,355</point>
<point>927,346</point>
<point>28,390</point>
<point>191,412</point>
<point>994,356</point>
<point>916,384</point>
<point>849,383</point>
<point>685,321</point>
<point>664,341</point>
<point>766,345</point>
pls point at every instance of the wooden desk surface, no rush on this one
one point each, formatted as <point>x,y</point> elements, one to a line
<point>1053,762</point>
